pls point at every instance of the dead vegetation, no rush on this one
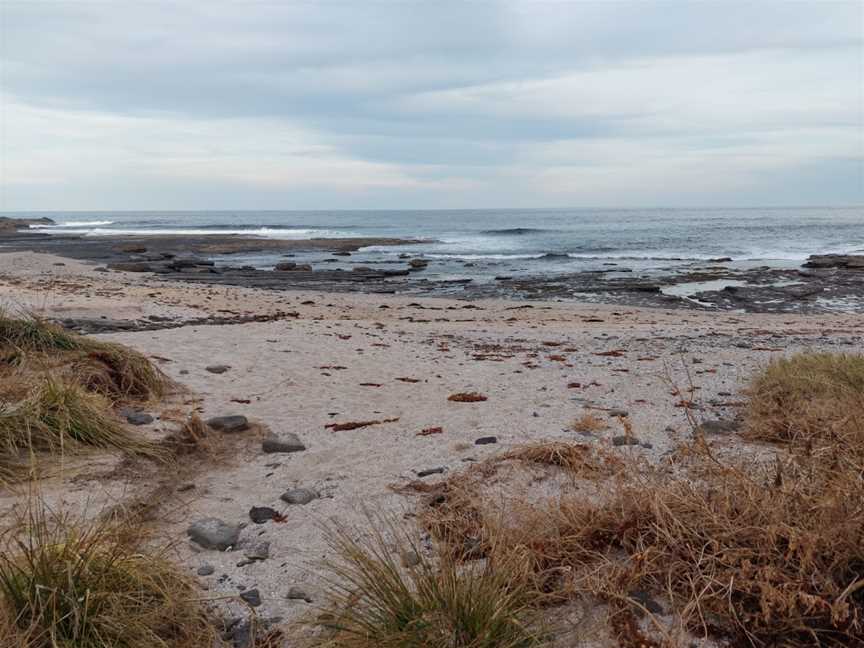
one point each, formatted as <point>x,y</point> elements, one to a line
<point>589,423</point>
<point>759,551</point>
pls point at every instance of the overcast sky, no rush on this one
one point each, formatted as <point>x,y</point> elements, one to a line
<point>369,104</point>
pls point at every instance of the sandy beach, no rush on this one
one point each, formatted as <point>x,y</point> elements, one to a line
<point>336,358</point>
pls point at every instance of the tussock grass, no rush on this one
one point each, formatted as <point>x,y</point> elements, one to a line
<point>580,459</point>
<point>120,373</point>
<point>438,603</point>
<point>69,585</point>
<point>33,334</point>
<point>809,398</point>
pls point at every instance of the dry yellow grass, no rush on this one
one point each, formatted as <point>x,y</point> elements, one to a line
<point>588,423</point>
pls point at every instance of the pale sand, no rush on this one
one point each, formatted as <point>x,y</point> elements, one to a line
<point>278,367</point>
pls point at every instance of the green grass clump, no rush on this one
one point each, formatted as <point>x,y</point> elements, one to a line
<point>809,398</point>
<point>68,585</point>
<point>57,418</point>
<point>36,335</point>
<point>376,602</point>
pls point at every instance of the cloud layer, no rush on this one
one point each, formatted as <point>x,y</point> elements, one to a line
<point>199,105</point>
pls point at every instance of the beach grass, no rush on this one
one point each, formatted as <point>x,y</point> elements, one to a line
<point>379,600</point>
<point>73,584</point>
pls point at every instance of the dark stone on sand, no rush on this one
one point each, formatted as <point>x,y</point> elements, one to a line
<point>298,594</point>
<point>252,597</point>
<point>217,369</point>
<point>486,440</point>
<point>624,440</point>
<point>286,442</point>
<point>618,413</point>
<point>717,427</point>
<point>232,423</point>
<point>430,471</point>
<point>206,570</point>
<point>262,514</point>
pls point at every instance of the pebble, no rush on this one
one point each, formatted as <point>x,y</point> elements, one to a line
<point>286,442</point>
<point>618,413</point>
<point>298,594</point>
<point>232,423</point>
<point>624,440</point>
<point>258,550</point>
<point>261,514</point>
<point>252,597</point>
<point>430,471</point>
<point>139,418</point>
<point>717,427</point>
<point>486,440</point>
<point>217,369</point>
<point>298,496</point>
<point>213,533</point>
<point>206,570</point>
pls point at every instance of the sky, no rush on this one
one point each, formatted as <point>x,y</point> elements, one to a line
<point>209,104</point>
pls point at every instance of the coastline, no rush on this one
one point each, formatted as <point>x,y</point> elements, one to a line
<point>320,358</point>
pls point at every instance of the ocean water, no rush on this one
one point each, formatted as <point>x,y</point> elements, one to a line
<point>531,241</point>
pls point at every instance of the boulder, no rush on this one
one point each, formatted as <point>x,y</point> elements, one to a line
<point>285,266</point>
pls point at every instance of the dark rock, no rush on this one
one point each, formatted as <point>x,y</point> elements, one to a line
<point>717,427</point>
<point>213,533</point>
<point>418,264</point>
<point>233,423</point>
<point>261,514</point>
<point>618,413</point>
<point>298,594</point>
<point>624,440</point>
<point>284,266</point>
<point>286,442</point>
<point>133,249</point>
<point>139,418</point>
<point>849,261</point>
<point>486,440</point>
<point>299,496</point>
<point>217,369</point>
<point>206,570</point>
<point>130,266</point>
<point>430,471</point>
<point>252,597</point>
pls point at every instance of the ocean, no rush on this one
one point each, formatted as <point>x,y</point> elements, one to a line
<point>488,242</point>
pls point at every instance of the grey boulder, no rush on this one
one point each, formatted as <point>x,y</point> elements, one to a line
<point>286,442</point>
<point>213,533</point>
<point>234,423</point>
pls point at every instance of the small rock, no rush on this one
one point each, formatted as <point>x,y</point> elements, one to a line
<point>139,418</point>
<point>430,471</point>
<point>261,514</point>
<point>717,427</point>
<point>624,440</point>
<point>284,266</point>
<point>486,440</point>
<point>206,570</point>
<point>298,594</point>
<point>213,533</point>
<point>298,496</point>
<point>217,369</point>
<point>618,413</point>
<point>286,442</point>
<point>252,597</point>
<point>258,551</point>
<point>233,423</point>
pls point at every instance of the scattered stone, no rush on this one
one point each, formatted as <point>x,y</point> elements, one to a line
<point>431,471</point>
<point>486,440</point>
<point>252,597</point>
<point>298,594</point>
<point>624,440</point>
<point>139,418</point>
<point>262,514</point>
<point>206,570</point>
<point>286,442</point>
<point>213,533</point>
<point>618,413</point>
<point>258,551</point>
<point>217,369</point>
<point>298,496</point>
<point>232,423</point>
<point>717,427</point>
